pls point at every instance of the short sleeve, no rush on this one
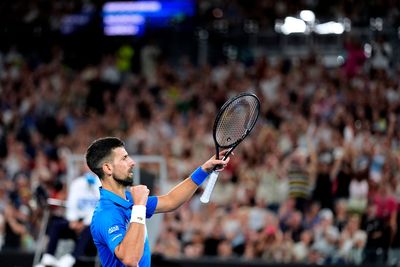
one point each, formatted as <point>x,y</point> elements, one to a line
<point>112,228</point>
<point>151,206</point>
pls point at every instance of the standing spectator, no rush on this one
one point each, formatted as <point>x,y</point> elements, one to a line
<point>381,54</point>
<point>323,181</point>
<point>355,57</point>
<point>149,57</point>
<point>342,173</point>
<point>359,188</point>
<point>298,178</point>
<point>385,202</point>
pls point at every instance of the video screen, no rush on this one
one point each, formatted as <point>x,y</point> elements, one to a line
<point>134,17</point>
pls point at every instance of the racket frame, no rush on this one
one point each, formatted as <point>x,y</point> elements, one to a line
<point>205,197</point>
<point>217,118</point>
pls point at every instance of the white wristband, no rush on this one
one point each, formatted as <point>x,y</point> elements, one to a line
<point>138,214</point>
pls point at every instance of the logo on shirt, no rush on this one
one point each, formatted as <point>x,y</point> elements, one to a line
<point>112,229</point>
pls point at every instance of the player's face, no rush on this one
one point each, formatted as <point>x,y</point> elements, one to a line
<point>122,167</point>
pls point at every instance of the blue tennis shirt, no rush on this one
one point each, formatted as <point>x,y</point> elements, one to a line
<point>111,219</point>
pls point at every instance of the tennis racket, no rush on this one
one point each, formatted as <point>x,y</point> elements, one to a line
<point>233,123</point>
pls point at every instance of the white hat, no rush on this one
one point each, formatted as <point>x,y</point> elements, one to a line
<point>326,214</point>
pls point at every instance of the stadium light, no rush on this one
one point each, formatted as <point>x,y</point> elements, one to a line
<point>307,23</point>
<point>291,25</point>
<point>330,27</point>
<point>308,16</point>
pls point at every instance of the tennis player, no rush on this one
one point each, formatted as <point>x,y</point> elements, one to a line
<point>119,221</point>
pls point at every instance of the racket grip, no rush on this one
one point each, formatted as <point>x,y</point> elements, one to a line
<point>205,197</point>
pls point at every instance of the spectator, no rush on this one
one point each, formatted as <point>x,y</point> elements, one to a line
<point>225,249</point>
<point>326,235</point>
<point>355,57</point>
<point>293,227</point>
<point>342,174</point>
<point>311,216</point>
<point>168,244</point>
<point>381,54</point>
<point>17,233</point>
<point>20,216</point>
<point>378,237</point>
<point>359,188</point>
<point>341,214</point>
<point>298,173</point>
<point>273,185</point>
<point>301,248</point>
<point>351,242</point>
<point>213,239</point>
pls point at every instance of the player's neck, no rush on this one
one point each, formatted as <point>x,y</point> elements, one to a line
<point>115,188</point>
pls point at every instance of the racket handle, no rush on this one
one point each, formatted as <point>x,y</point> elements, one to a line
<point>205,197</point>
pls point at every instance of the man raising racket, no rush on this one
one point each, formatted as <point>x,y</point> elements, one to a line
<point>118,224</point>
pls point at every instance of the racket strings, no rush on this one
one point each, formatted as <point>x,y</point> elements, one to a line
<point>237,120</point>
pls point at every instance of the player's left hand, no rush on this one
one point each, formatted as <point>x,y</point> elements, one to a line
<point>210,164</point>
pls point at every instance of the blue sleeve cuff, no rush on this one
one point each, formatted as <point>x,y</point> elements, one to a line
<point>199,175</point>
<point>151,206</point>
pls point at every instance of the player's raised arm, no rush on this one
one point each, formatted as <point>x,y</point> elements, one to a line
<point>185,190</point>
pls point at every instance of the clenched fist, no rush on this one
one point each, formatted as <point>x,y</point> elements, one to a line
<point>140,193</point>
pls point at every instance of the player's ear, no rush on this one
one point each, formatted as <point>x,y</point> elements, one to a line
<point>107,168</point>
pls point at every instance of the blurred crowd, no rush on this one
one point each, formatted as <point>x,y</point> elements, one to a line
<point>49,15</point>
<point>316,182</point>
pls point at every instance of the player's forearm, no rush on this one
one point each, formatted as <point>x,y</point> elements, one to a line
<point>181,193</point>
<point>130,250</point>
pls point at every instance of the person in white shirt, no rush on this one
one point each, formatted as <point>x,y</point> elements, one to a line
<point>83,194</point>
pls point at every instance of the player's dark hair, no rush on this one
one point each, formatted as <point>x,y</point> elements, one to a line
<point>99,151</point>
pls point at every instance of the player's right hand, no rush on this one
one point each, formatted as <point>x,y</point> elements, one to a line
<point>139,193</point>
